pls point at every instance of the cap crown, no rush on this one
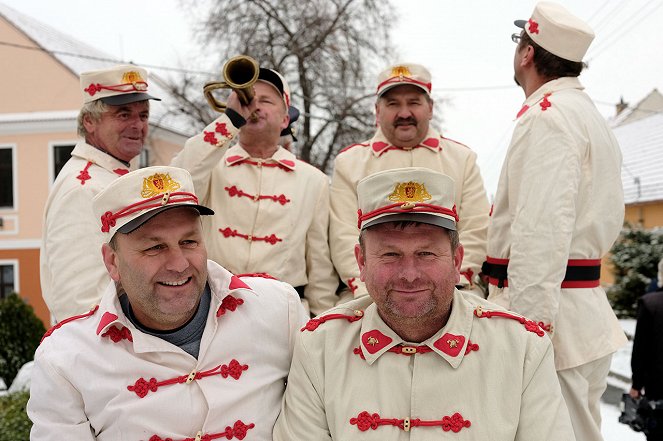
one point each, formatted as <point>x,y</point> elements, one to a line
<point>407,194</point>
<point>131,197</point>
<point>559,32</point>
<point>122,80</point>
<point>404,74</point>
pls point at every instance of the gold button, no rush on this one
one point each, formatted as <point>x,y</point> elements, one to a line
<point>256,197</point>
<point>249,238</point>
<point>358,312</point>
<point>409,350</point>
<point>199,435</point>
<point>406,424</point>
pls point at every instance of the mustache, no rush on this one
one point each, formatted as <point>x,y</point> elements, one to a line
<point>405,121</point>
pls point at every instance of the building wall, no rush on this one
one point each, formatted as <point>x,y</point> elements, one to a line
<point>28,280</point>
<point>648,215</point>
<point>33,80</point>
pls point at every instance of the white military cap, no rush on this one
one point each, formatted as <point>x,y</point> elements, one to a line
<point>558,31</point>
<point>404,74</point>
<point>116,86</point>
<point>407,194</point>
<point>133,199</point>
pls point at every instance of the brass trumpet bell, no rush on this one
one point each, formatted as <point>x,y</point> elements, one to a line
<point>239,74</point>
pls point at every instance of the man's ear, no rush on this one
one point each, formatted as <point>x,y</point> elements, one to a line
<point>361,261</point>
<point>110,260</point>
<point>89,123</point>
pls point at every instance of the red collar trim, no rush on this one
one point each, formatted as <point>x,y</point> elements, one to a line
<point>380,147</point>
<point>286,164</point>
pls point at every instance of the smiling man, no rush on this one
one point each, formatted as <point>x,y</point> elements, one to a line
<point>417,358</point>
<point>404,138</point>
<point>114,123</point>
<point>179,347</point>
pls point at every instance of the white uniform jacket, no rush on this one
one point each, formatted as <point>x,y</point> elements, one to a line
<point>99,378</point>
<point>483,376</point>
<point>271,215</point>
<point>73,274</point>
<point>435,152</point>
<point>559,197</point>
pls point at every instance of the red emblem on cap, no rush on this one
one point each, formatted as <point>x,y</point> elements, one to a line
<point>533,26</point>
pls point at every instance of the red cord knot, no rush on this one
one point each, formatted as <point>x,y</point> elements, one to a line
<point>545,103</point>
<point>229,303</point>
<point>238,430</point>
<point>234,369</point>
<point>210,138</point>
<point>84,175</point>
<point>313,324</point>
<point>222,129</point>
<point>93,88</point>
<point>530,325</point>
<point>471,347</point>
<point>107,221</point>
<point>142,387</point>
<point>533,26</point>
<point>117,335</point>
<point>546,327</point>
<point>365,421</point>
<point>351,285</point>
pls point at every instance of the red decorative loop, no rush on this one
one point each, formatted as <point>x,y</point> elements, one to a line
<point>142,387</point>
<point>546,327</point>
<point>351,282</point>
<point>234,191</point>
<point>210,138</point>
<point>229,303</point>
<point>468,273</point>
<point>107,221</point>
<point>313,324</point>
<point>358,351</point>
<point>222,129</point>
<point>471,347</point>
<point>84,175</point>
<point>261,164</point>
<point>238,430</point>
<point>271,239</point>
<point>117,335</point>
<point>530,325</point>
<point>545,103</point>
<point>365,421</point>
<point>533,26</point>
<point>92,89</point>
<point>120,171</point>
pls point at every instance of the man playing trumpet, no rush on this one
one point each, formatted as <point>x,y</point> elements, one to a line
<point>271,209</point>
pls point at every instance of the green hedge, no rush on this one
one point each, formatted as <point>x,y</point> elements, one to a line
<point>14,422</point>
<point>20,334</point>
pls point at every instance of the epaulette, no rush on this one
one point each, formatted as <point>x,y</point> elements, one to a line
<point>351,146</point>
<point>313,324</point>
<point>263,275</point>
<point>454,141</point>
<point>68,320</point>
<point>530,325</point>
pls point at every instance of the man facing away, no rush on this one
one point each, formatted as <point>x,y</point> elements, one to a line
<point>559,208</point>
<point>179,347</point>
<point>417,358</point>
<point>114,124</point>
<point>404,138</point>
<point>273,209</point>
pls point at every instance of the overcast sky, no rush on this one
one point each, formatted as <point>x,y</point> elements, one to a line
<point>466,44</point>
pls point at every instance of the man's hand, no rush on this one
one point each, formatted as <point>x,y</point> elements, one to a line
<point>235,104</point>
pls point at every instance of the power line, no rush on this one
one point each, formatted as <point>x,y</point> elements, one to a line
<point>96,58</point>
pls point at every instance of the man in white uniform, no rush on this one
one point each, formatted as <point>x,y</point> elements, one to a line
<point>559,208</point>
<point>272,209</point>
<point>113,123</point>
<point>179,347</point>
<point>417,358</point>
<point>404,138</point>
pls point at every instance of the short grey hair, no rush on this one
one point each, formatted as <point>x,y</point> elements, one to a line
<point>94,109</point>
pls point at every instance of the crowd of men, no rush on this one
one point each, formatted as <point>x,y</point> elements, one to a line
<point>208,284</point>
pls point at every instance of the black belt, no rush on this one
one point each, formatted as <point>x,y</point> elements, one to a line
<point>580,273</point>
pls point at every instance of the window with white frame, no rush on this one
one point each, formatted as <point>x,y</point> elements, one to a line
<point>8,279</point>
<point>6,177</point>
<point>61,154</point>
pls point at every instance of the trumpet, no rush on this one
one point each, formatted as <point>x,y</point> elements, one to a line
<point>239,74</point>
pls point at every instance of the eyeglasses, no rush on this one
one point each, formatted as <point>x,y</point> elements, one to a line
<point>516,38</point>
